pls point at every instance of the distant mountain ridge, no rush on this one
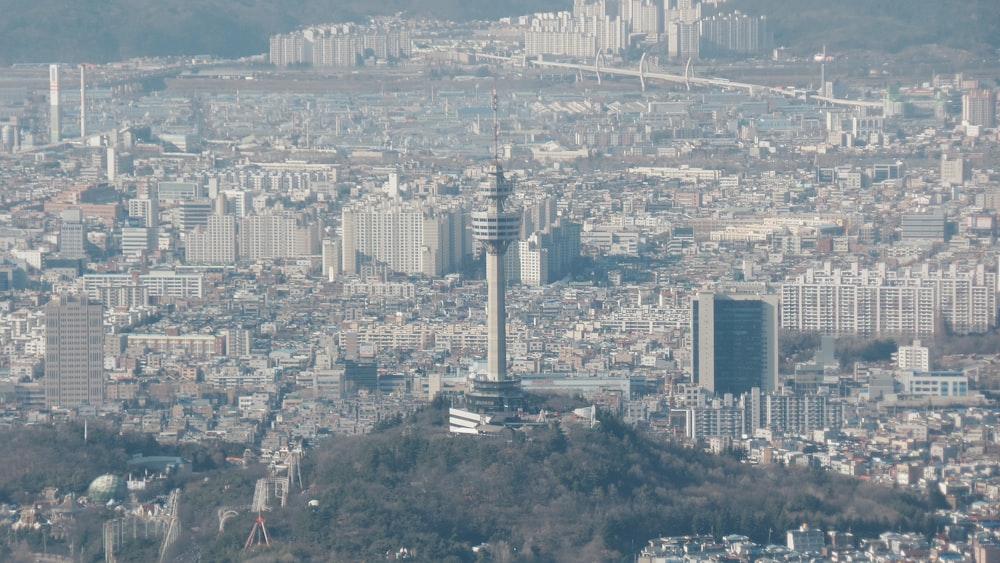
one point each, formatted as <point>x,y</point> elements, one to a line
<point>106,30</point>
<point>881,25</point>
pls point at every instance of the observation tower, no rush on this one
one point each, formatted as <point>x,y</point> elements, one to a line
<point>496,224</point>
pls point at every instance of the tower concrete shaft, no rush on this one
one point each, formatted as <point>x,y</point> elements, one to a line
<point>496,314</point>
<point>495,227</point>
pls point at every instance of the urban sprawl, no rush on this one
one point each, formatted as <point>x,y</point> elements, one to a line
<point>271,251</point>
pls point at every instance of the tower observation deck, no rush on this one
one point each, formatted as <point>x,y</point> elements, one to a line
<point>496,224</point>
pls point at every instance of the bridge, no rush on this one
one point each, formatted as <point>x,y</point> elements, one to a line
<point>643,74</point>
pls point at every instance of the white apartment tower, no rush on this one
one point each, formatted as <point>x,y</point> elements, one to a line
<point>55,113</point>
<point>405,236</point>
<point>214,244</point>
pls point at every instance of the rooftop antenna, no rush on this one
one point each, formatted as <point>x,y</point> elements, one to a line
<point>258,535</point>
<point>496,130</point>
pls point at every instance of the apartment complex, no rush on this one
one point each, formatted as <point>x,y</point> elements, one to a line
<point>409,237</point>
<point>881,302</point>
<point>340,45</point>
<point>226,239</point>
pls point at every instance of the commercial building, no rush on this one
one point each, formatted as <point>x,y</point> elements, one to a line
<point>74,352</point>
<point>735,342</point>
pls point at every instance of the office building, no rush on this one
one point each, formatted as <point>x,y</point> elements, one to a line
<point>176,191</point>
<point>806,540</point>
<point>138,241</point>
<point>193,213</point>
<point>934,384</point>
<point>735,342</point>
<point>881,172</point>
<point>954,171</point>
<point>74,352</point>
<point>72,240</point>
<point>924,225</point>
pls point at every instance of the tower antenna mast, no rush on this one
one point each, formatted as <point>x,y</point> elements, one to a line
<point>496,129</point>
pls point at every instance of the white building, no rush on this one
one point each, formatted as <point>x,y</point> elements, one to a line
<point>914,358</point>
<point>406,237</point>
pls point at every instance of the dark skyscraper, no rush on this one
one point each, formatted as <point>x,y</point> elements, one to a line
<point>74,352</point>
<point>735,342</point>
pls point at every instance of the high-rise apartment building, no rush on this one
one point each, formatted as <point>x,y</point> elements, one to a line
<point>277,235</point>
<point>880,302</point>
<point>331,258</point>
<point>914,358</point>
<point>213,244</point>
<point>544,256</point>
<point>683,40</point>
<point>735,342</point>
<point>734,33</point>
<point>590,29</point>
<point>74,352</point>
<point>407,237</point>
<point>979,107</point>
<point>144,211</point>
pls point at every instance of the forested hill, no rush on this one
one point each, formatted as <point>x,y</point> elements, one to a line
<point>550,494</point>
<point>880,25</point>
<point>106,30</point>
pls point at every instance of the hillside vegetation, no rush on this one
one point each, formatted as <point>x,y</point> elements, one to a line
<point>880,25</point>
<point>550,494</point>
